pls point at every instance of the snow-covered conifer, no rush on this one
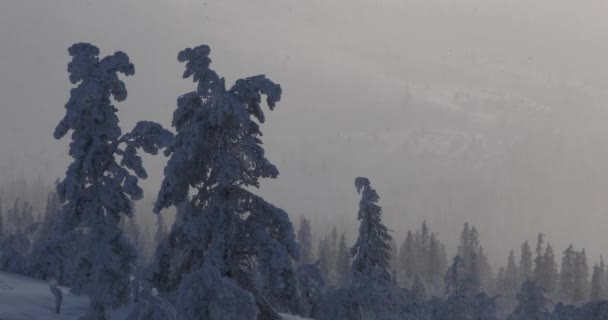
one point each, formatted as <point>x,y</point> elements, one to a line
<point>581,278</point>
<point>98,187</point>
<point>371,252</point>
<point>539,266</point>
<point>550,273</point>
<point>525,263</point>
<point>567,274</point>
<point>597,283</point>
<point>217,156</point>
<point>407,269</point>
<point>511,276</point>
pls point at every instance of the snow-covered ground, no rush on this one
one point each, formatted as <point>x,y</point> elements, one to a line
<point>23,298</point>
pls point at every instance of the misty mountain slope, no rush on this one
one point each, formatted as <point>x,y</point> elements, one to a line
<point>23,298</point>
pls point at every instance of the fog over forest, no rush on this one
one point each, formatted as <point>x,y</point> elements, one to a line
<point>488,111</point>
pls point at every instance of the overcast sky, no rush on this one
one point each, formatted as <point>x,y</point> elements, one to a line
<point>489,111</point>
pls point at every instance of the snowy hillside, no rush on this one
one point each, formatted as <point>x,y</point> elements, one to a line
<point>23,298</point>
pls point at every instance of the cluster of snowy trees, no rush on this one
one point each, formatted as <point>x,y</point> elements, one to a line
<point>230,254</point>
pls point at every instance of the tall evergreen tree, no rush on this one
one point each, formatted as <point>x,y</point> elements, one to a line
<point>539,265</point>
<point>511,279</point>
<point>407,259</point>
<point>371,252</point>
<point>455,278</point>
<point>305,239</point>
<point>597,283</point>
<point>221,226</point>
<point>485,269</point>
<point>525,263</point>
<point>476,266</point>
<point>97,188</point>
<point>581,278</point>
<point>567,275</point>
<point>550,273</point>
<point>605,279</point>
<point>435,267</point>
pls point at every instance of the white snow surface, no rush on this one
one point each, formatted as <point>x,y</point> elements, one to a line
<point>23,298</point>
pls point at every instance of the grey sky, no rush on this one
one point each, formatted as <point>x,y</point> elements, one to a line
<point>489,111</point>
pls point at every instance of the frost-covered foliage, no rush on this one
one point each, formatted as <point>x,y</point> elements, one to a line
<point>206,295</point>
<point>217,155</point>
<point>532,303</point>
<point>371,252</point>
<point>101,181</point>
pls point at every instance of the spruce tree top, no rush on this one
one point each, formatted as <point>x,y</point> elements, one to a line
<point>218,143</point>
<point>97,186</point>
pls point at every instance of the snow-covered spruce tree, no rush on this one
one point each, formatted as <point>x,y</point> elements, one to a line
<point>371,252</point>
<point>455,279</point>
<point>525,263</point>
<point>567,274</point>
<point>581,278</point>
<point>597,283</point>
<point>223,228</point>
<point>372,294</point>
<point>538,260</point>
<point>98,187</point>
